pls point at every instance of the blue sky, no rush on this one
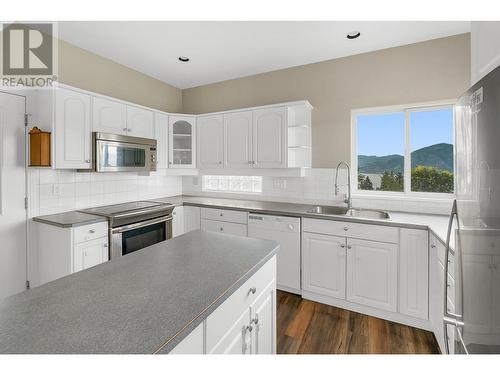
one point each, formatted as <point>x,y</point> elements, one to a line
<point>384,134</point>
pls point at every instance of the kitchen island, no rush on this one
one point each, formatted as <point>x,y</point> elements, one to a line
<point>199,285</point>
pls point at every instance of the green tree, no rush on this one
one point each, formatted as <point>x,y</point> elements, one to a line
<point>431,179</point>
<point>392,181</point>
<point>364,182</point>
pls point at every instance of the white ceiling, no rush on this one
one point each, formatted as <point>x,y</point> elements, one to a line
<point>224,50</point>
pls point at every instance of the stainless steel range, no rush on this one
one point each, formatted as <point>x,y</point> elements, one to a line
<point>135,225</point>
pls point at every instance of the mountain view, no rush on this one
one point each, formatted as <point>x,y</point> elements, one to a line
<point>439,156</point>
<point>431,170</point>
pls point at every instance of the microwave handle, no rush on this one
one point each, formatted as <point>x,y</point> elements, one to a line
<point>142,224</point>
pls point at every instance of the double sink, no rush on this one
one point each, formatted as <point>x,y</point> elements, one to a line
<point>352,212</point>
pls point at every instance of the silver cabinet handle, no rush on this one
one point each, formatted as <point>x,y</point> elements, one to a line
<point>220,162</point>
<point>349,246</point>
<point>124,129</point>
<point>87,161</point>
<point>129,130</point>
<point>221,214</point>
<point>253,162</point>
<point>221,229</point>
<point>342,245</point>
<point>92,231</point>
<point>433,246</point>
<point>252,290</point>
<point>346,228</point>
<point>255,320</point>
<point>249,328</point>
<point>249,162</point>
<point>105,245</point>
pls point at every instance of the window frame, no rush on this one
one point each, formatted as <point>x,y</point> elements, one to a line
<point>407,109</point>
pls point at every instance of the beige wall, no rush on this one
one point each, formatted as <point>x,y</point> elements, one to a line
<point>83,69</point>
<point>427,71</point>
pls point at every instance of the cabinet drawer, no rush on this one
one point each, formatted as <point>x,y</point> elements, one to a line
<point>90,232</point>
<point>223,318</point>
<point>224,215</point>
<point>224,227</point>
<point>380,233</point>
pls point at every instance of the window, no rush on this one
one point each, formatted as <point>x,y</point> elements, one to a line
<point>404,150</point>
<point>235,184</point>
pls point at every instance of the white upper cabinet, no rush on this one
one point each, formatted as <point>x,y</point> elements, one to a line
<point>372,273</point>
<point>109,116</point>
<point>182,142</point>
<point>72,130</point>
<point>161,136</point>
<point>140,122</point>
<point>485,48</point>
<point>210,138</point>
<point>269,138</point>
<point>414,273</point>
<point>238,139</point>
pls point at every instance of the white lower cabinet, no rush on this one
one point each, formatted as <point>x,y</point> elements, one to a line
<point>324,264</point>
<point>224,227</point>
<point>90,253</point>
<point>63,251</point>
<point>192,219</point>
<point>178,221</point>
<point>372,273</point>
<point>224,221</point>
<point>245,323</point>
<point>414,273</point>
<point>374,269</point>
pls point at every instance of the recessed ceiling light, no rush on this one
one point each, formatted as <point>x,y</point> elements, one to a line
<point>353,34</point>
<point>183,58</point>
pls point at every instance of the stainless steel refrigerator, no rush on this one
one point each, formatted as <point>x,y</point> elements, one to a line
<point>473,253</point>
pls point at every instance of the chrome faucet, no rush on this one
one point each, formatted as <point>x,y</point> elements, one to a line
<point>347,199</point>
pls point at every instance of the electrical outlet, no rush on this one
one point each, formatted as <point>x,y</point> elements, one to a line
<point>279,184</point>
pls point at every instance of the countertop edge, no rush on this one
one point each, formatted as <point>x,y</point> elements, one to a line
<point>98,219</point>
<point>170,344</point>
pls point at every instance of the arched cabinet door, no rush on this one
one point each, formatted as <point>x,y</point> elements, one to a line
<point>182,136</point>
<point>73,133</point>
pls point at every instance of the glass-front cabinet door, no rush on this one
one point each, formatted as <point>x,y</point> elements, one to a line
<point>182,149</point>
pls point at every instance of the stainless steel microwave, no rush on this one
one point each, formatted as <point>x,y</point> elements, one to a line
<point>121,153</point>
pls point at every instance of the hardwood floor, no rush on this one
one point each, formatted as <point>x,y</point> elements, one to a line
<point>308,327</point>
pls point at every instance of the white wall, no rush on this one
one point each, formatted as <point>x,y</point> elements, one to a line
<point>54,191</point>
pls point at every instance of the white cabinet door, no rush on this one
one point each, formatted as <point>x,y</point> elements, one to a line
<point>109,116</point>
<point>485,48</point>
<point>413,273</point>
<point>192,220</point>
<point>238,339</point>
<point>224,227</point>
<point>181,142</point>
<point>238,140</point>
<point>90,253</point>
<point>324,264</point>
<point>210,139</point>
<point>269,138</point>
<point>264,322</point>
<point>177,221</point>
<point>73,133</point>
<point>372,273</point>
<point>140,122</point>
<point>161,136</point>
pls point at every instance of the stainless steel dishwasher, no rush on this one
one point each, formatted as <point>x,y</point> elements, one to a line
<point>285,231</point>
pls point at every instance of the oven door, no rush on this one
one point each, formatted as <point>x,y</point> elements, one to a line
<point>114,156</point>
<point>132,237</point>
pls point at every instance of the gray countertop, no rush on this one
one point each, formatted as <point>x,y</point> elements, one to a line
<point>436,223</point>
<point>69,219</point>
<point>140,303</point>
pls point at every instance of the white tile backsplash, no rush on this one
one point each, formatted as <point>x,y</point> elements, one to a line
<point>318,187</point>
<point>64,190</point>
